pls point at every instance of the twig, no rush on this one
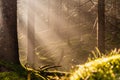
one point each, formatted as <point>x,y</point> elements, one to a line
<point>55,73</point>
<point>95,23</point>
<point>49,67</point>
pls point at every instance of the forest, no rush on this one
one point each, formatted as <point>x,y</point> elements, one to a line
<point>59,40</point>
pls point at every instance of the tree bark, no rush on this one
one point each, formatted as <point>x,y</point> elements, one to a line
<point>101,26</point>
<point>8,32</point>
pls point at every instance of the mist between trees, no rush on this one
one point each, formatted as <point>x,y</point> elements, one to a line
<point>60,32</point>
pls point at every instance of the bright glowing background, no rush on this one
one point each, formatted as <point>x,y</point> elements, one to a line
<point>53,31</point>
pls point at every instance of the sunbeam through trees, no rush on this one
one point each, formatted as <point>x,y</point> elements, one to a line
<point>43,37</point>
<point>60,32</point>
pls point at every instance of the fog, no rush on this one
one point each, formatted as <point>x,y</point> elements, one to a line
<point>55,32</point>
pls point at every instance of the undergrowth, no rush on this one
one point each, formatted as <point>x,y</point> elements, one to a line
<point>101,67</point>
<point>29,73</point>
<point>10,76</point>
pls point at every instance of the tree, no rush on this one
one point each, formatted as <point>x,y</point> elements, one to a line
<point>112,24</point>
<point>101,25</point>
<point>8,33</point>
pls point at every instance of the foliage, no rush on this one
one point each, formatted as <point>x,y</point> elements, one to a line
<point>98,68</point>
<point>104,68</point>
<point>29,73</point>
<point>45,74</point>
<point>14,67</point>
<point>10,76</point>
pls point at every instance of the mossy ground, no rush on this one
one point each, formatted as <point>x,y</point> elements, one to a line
<point>10,76</point>
<point>104,68</point>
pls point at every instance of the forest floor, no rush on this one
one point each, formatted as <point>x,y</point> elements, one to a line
<point>101,67</point>
<point>10,76</point>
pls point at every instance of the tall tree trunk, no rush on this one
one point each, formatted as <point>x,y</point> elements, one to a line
<point>101,25</point>
<point>8,32</point>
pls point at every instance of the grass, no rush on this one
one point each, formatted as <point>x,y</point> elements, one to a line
<point>103,68</point>
<point>20,72</point>
<point>10,76</point>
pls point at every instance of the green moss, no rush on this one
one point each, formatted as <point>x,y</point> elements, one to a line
<point>10,76</point>
<point>104,68</point>
<point>21,70</point>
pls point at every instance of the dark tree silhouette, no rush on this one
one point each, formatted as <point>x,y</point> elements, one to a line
<point>8,33</point>
<point>101,25</point>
